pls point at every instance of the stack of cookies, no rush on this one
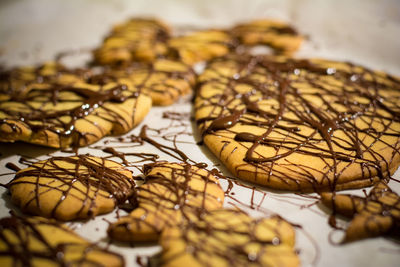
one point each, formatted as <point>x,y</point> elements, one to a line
<point>302,125</point>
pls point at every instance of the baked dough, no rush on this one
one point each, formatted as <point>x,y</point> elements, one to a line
<point>70,188</point>
<point>299,124</point>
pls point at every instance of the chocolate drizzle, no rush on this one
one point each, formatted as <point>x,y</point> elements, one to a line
<point>143,137</point>
<point>225,122</point>
<point>337,115</point>
<point>97,176</point>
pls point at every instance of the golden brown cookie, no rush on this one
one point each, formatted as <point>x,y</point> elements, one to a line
<point>54,107</point>
<point>164,80</point>
<point>134,40</point>
<point>298,124</point>
<point>172,193</point>
<point>37,241</point>
<point>376,214</point>
<point>201,45</point>
<point>229,238</point>
<point>278,35</point>
<point>69,188</point>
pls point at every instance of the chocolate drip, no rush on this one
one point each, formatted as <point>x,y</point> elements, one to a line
<point>12,166</point>
<point>225,122</point>
<point>143,137</point>
<point>174,193</point>
<point>179,125</point>
<point>285,30</point>
<point>143,156</point>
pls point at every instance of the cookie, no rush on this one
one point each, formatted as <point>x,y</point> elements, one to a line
<point>51,106</point>
<point>135,40</point>
<point>70,188</point>
<point>278,35</point>
<point>164,80</point>
<point>200,46</point>
<point>42,242</point>
<point>230,238</point>
<point>376,214</point>
<point>298,124</point>
<point>172,193</point>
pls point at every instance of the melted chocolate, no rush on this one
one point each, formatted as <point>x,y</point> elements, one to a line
<point>143,137</point>
<point>12,166</point>
<point>225,122</point>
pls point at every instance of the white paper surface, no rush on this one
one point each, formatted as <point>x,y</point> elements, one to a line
<point>363,32</point>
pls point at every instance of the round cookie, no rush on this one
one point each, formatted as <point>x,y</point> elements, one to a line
<point>135,40</point>
<point>297,124</point>
<point>229,238</point>
<point>280,36</point>
<point>173,193</point>
<point>205,45</point>
<point>51,106</point>
<point>164,80</point>
<point>201,46</point>
<point>41,242</point>
<point>69,188</point>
